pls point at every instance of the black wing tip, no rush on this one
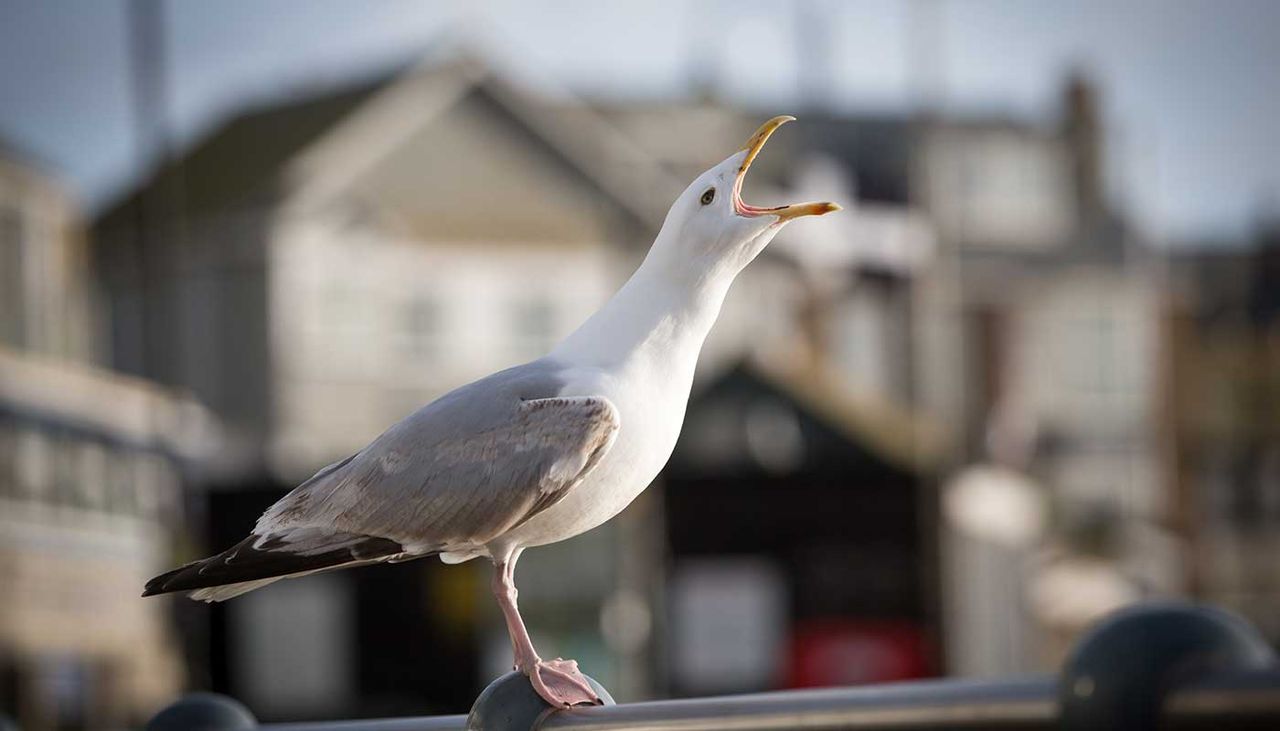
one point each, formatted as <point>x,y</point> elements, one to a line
<point>252,563</point>
<point>160,584</point>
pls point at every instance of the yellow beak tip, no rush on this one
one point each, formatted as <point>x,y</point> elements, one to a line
<point>800,210</point>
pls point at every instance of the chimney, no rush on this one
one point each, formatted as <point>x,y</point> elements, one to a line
<point>1083,132</point>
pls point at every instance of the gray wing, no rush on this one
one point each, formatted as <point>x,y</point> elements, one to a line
<point>459,472</point>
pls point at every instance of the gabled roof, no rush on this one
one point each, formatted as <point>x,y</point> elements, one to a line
<point>35,169</point>
<point>242,155</point>
<point>251,155</point>
<point>10,150</point>
<point>898,439</point>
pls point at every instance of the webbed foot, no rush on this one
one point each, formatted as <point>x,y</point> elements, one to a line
<point>561,684</point>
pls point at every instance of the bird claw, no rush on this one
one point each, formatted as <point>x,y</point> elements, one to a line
<point>561,684</point>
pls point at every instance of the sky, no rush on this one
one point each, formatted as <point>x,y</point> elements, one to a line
<point>1190,88</point>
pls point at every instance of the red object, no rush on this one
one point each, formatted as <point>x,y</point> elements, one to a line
<point>830,652</point>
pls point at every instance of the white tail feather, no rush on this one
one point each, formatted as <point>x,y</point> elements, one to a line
<point>227,591</point>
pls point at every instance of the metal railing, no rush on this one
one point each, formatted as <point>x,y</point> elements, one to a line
<point>1161,667</point>
<point>1249,700</point>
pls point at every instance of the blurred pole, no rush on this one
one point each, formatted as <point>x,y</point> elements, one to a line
<point>938,307</point>
<point>146,55</point>
<point>157,232</point>
<point>814,24</point>
<point>925,55</point>
<point>147,58</point>
<point>158,214</point>
<point>704,50</point>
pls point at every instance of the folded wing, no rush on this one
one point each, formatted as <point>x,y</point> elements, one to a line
<point>453,476</point>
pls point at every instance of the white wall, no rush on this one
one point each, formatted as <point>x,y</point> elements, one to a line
<point>366,327</point>
<point>1086,352</point>
<point>1005,188</point>
<point>44,287</point>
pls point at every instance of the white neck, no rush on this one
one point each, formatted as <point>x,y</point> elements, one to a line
<point>663,313</point>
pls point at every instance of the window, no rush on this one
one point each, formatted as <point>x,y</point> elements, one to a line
<point>120,482</point>
<point>149,483</point>
<point>12,291</point>
<point>8,458</point>
<point>863,341</point>
<point>66,473</point>
<point>34,466</point>
<point>341,335</point>
<point>91,466</point>
<point>533,326</point>
<point>1092,357</point>
<point>346,309</point>
<point>422,328</point>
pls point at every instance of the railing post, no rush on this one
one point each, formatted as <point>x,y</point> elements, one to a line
<point>511,704</point>
<point>1119,672</point>
<point>203,712</point>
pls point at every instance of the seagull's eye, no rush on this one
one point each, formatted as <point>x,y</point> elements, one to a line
<point>708,196</point>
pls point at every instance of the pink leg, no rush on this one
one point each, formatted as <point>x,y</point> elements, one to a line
<point>559,681</point>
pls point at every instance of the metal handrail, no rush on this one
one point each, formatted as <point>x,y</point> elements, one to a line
<point>1231,700</point>
<point>1156,666</point>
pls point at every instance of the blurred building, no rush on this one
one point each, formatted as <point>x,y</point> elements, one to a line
<point>1035,335</point>
<point>1225,325</point>
<point>91,467</point>
<point>1044,343</point>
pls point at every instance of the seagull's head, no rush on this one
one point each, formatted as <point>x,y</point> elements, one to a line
<point>710,225</point>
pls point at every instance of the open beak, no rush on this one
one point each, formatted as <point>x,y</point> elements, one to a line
<point>784,213</point>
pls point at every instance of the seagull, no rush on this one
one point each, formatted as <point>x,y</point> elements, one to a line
<point>536,453</point>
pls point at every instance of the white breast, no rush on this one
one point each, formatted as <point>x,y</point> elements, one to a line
<point>651,413</point>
